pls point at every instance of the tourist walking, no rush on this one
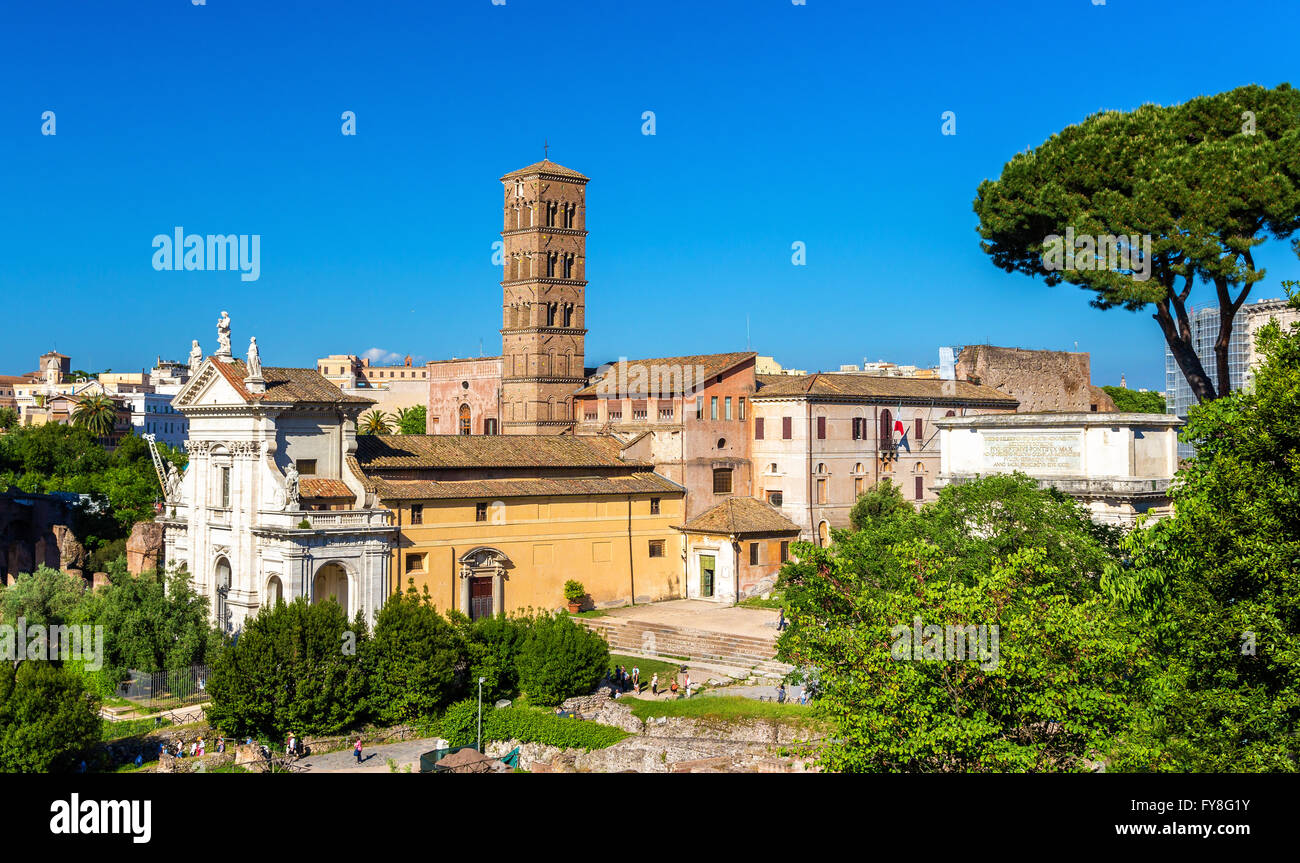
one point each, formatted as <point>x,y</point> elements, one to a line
<point>636,678</point>
<point>780,624</point>
<point>654,683</point>
<point>357,746</point>
<point>780,693</point>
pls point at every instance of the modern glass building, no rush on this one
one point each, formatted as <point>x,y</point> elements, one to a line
<point>1205,330</point>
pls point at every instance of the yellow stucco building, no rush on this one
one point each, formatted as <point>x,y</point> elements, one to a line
<point>495,524</point>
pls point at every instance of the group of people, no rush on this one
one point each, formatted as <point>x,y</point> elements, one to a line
<point>197,747</point>
<point>781,695</point>
<point>626,679</point>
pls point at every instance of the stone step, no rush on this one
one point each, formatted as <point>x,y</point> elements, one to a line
<point>662,640</point>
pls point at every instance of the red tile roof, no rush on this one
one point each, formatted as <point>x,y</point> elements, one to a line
<point>878,387</point>
<point>667,376</point>
<point>738,516</point>
<point>285,385</point>
<point>431,452</point>
<point>546,166</point>
<point>585,486</point>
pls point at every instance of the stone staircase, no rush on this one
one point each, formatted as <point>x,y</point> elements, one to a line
<point>752,653</point>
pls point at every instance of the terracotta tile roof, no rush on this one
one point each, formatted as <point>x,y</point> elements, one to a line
<point>737,516</point>
<point>310,486</point>
<point>428,452</point>
<point>878,387</point>
<point>295,386</point>
<point>546,166</point>
<point>584,486</point>
<point>694,371</point>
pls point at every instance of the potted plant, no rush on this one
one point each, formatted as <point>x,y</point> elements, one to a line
<point>574,593</point>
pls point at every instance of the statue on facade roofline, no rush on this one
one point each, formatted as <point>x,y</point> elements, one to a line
<point>223,334</point>
<point>196,355</point>
<point>254,359</point>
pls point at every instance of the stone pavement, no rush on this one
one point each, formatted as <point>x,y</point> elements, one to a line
<point>704,615</point>
<point>374,758</point>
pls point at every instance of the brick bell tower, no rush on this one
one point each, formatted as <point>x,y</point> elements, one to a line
<point>543,302</point>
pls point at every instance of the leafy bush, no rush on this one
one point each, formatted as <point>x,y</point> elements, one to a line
<point>46,718</point>
<point>574,591</point>
<point>459,725</point>
<point>494,644</point>
<point>560,659</point>
<point>290,671</point>
<point>535,726</point>
<point>415,657</point>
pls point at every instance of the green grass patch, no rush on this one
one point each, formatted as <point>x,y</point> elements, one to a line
<point>595,612</point>
<point>123,728</point>
<point>724,708</point>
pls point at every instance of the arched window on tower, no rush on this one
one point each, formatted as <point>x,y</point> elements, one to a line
<point>568,314</point>
<point>550,263</point>
<point>568,266</point>
<point>464,420</point>
<point>551,310</point>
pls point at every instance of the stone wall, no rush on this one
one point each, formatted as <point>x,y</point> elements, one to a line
<point>1041,380</point>
<point>144,548</point>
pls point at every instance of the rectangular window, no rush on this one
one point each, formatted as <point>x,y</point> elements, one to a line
<point>639,410</point>
<point>306,466</point>
<point>417,513</point>
<point>859,428</point>
<point>920,487</point>
<point>821,491</point>
<point>918,430</point>
<point>753,554</point>
<point>758,428</point>
<point>224,480</point>
<point>785,550</point>
<point>699,407</point>
<point>821,428</point>
<point>414,562</point>
<point>656,548</point>
<point>787,428</point>
<point>480,512</point>
<point>727,408</point>
<point>713,408</point>
<point>722,480</point>
<point>654,506</point>
<point>742,409</point>
<point>857,487</point>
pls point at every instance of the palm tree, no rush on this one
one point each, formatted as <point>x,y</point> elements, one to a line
<point>376,422</point>
<point>97,414</point>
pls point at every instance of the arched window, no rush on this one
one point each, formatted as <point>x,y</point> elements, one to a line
<point>886,429</point>
<point>823,534</point>
<point>821,467</point>
<point>464,419</point>
<point>951,414</point>
<point>858,468</point>
<point>919,468</point>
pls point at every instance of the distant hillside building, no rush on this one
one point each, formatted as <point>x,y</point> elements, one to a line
<point>1039,380</point>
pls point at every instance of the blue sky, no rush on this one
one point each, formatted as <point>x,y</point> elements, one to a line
<point>775,123</point>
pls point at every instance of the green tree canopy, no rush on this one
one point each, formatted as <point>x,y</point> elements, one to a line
<point>47,721</point>
<point>46,597</point>
<point>295,667</point>
<point>1132,401</point>
<point>416,659</point>
<point>411,420</point>
<point>375,422</point>
<point>995,552</point>
<point>560,659</point>
<point>1207,181</point>
<point>1218,584</point>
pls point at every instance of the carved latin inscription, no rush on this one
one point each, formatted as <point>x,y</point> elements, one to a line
<point>1034,452</point>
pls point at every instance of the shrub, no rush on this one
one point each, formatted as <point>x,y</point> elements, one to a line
<point>559,659</point>
<point>574,591</point>
<point>494,644</point>
<point>289,670</point>
<point>416,658</point>
<point>46,718</point>
<point>459,725</point>
<point>534,726</point>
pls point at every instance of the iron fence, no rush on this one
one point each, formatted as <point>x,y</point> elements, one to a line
<point>166,689</point>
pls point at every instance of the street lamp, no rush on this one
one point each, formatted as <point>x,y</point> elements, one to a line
<point>480,714</point>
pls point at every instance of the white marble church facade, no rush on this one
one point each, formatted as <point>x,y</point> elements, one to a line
<point>270,505</point>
